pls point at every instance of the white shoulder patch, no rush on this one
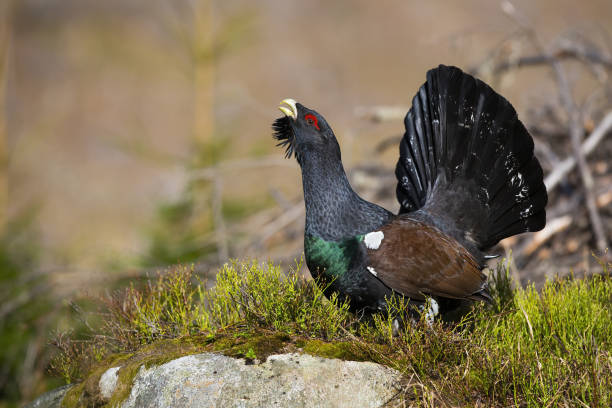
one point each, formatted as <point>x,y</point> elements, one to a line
<point>372,240</point>
<point>372,270</point>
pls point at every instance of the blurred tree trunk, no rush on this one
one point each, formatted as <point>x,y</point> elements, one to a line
<point>210,199</point>
<point>204,73</point>
<point>6,12</point>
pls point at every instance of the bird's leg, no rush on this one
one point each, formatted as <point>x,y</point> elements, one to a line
<point>396,326</point>
<point>431,310</point>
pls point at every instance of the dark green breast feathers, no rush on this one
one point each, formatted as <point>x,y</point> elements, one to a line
<point>340,266</point>
<point>467,178</point>
<point>331,259</point>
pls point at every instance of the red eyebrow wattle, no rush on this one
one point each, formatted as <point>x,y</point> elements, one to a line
<point>314,119</point>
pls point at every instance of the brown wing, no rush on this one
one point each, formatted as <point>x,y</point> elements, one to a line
<point>415,259</point>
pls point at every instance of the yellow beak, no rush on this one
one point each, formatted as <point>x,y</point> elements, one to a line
<point>287,106</point>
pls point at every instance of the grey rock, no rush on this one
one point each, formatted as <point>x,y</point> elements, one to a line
<point>285,380</point>
<point>51,399</point>
<point>108,383</point>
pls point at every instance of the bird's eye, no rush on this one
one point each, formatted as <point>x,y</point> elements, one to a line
<point>312,121</point>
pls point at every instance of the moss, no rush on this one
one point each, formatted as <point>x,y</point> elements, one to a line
<point>249,344</point>
<point>264,344</point>
<point>261,343</point>
<point>73,396</point>
<point>343,350</point>
<point>125,379</point>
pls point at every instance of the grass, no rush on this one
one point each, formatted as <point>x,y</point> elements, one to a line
<point>550,347</point>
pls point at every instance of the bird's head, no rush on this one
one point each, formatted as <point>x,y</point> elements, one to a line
<point>304,132</point>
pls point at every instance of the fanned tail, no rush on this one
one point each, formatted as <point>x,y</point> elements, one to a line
<point>466,163</point>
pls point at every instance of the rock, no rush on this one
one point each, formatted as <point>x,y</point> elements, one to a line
<point>108,383</point>
<point>285,380</point>
<point>51,399</point>
<point>214,380</point>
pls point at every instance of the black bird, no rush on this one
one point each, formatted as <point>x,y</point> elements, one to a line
<point>467,178</point>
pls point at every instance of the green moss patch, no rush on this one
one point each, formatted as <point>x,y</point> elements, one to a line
<point>344,350</point>
<point>250,345</point>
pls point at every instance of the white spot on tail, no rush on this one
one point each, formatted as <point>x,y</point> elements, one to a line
<point>527,212</point>
<point>518,183</point>
<point>372,271</point>
<point>372,240</point>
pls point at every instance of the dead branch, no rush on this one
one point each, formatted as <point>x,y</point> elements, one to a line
<point>553,227</point>
<point>390,142</point>
<point>280,199</point>
<point>567,165</point>
<point>215,175</point>
<point>576,135</point>
<point>567,51</point>
<point>604,200</point>
<point>279,223</point>
<point>559,224</point>
<point>219,221</point>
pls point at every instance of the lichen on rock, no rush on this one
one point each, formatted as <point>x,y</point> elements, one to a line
<point>214,380</point>
<point>289,380</point>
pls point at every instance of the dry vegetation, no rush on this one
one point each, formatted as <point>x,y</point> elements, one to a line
<point>532,348</point>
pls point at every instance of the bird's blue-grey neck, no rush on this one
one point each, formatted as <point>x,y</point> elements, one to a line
<point>333,210</point>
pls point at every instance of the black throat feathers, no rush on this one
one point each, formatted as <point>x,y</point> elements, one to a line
<point>333,210</point>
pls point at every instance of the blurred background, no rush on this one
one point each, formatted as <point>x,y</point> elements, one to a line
<point>136,134</point>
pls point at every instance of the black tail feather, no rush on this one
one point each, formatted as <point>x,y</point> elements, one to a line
<point>466,162</point>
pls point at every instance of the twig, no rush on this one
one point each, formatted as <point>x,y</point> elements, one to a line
<point>552,227</point>
<point>214,174</point>
<point>567,52</point>
<point>390,142</point>
<point>280,199</point>
<point>604,199</point>
<point>220,229</point>
<point>588,146</point>
<point>543,148</point>
<point>576,135</point>
<point>279,223</point>
<point>563,215</point>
